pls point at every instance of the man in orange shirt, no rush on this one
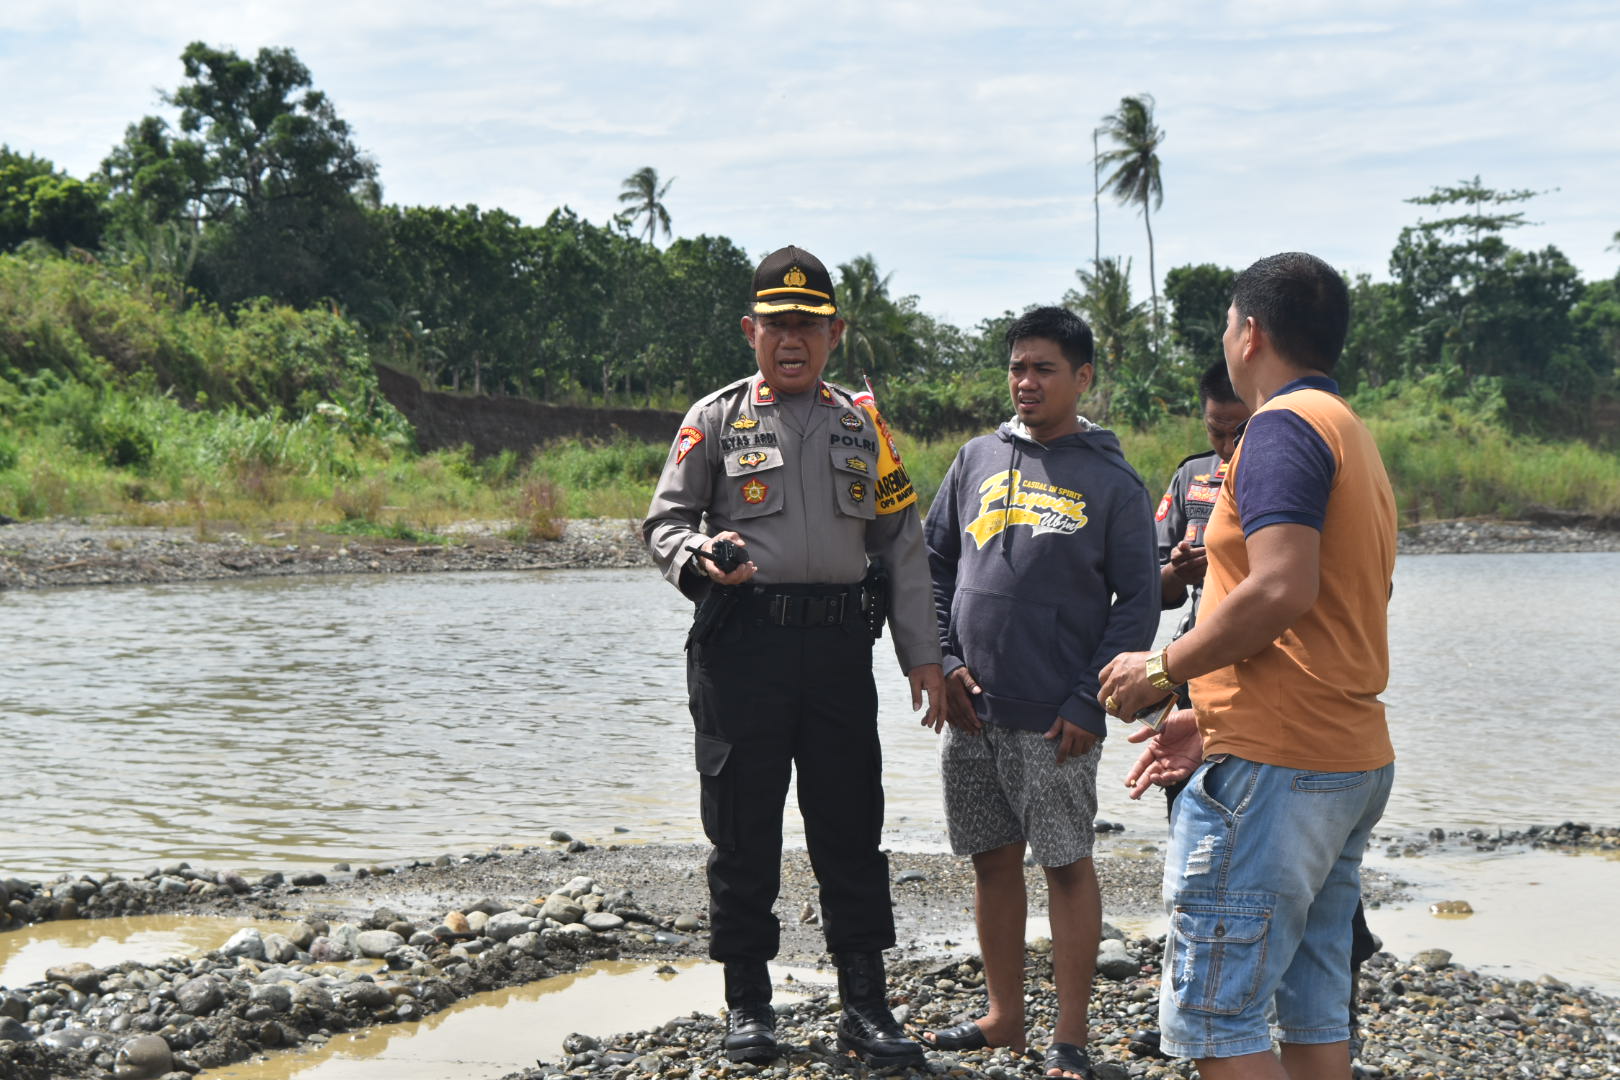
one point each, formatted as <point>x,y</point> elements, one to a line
<point>1287,744</point>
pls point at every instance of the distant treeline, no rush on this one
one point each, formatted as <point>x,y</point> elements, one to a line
<point>254,205</point>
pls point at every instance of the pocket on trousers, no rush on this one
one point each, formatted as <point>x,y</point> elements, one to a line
<point>716,804</point>
<point>1218,950</point>
<point>1329,781</point>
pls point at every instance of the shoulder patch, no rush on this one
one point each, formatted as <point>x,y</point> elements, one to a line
<point>685,441</point>
<point>1164,507</point>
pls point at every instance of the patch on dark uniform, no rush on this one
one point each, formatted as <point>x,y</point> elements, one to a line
<point>752,458</point>
<point>826,395</point>
<point>1164,508</point>
<point>851,421</point>
<point>754,491</point>
<point>858,464</point>
<point>857,491</point>
<point>764,395</point>
<point>743,423</point>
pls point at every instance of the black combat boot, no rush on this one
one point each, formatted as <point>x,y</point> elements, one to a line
<point>867,1028</point>
<point>750,1020</point>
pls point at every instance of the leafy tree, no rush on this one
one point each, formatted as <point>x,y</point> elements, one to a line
<point>645,197</point>
<point>874,327</point>
<point>1135,163</point>
<point>39,202</point>
<point>1126,370</point>
<point>1199,297</point>
<point>262,175</point>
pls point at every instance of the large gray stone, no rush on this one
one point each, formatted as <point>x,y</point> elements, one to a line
<point>562,908</point>
<point>13,1030</point>
<point>1115,962</point>
<point>279,950</point>
<point>276,997</point>
<point>200,996</point>
<point>577,887</point>
<point>247,942</point>
<point>507,925</point>
<point>143,1058</point>
<point>377,943</point>
<point>603,921</point>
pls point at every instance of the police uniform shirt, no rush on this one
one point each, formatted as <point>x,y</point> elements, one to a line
<point>1184,511</point>
<point>813,492</point>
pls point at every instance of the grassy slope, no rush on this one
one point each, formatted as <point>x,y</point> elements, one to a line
<point>116,399</point>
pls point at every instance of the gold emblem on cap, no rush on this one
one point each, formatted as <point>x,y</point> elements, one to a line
<point>795,277</point>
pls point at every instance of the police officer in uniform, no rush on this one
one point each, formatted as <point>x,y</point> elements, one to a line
<point>800,481</point>
<point>1184,511</point>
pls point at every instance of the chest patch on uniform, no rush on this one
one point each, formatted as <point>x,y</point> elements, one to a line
<point>1204,493</point>
<point>743,423</point>
<point>857,491</point>
<point>858,464</point>
<point>728,443</point>
<point>751,458</point>
<point>688,438</point>
<point>755,491</point>
<point>1164,508</point>
<point>851,421</point>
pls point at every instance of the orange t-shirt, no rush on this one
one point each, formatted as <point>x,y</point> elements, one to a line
<point>1308,700</point>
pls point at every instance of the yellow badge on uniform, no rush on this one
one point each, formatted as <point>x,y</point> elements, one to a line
<point>755,491</point>
<point>858,464</point>
<point>893,489</point>
<point>857,491</point>
<point>751,459</point>
<point>743,423</point>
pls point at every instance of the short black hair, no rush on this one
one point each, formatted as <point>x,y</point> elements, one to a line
<point>1216,386</point>
<point>1058,324</point>
<point>1301,303</point>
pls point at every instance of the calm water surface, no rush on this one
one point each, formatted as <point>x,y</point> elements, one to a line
<point>271,724</point>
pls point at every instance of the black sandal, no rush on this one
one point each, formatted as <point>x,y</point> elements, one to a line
<point>1067,1058</point>
<point>964,1036</point>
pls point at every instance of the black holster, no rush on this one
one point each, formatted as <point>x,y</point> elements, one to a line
<point>712,613</point>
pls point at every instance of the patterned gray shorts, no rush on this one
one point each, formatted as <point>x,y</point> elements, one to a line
<point>1004,785</point>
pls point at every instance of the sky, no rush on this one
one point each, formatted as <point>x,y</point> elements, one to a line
<point>951,140</point>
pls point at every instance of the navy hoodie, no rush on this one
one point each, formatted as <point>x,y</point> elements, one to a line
<point>1044,569</point>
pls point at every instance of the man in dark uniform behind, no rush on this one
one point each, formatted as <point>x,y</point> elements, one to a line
<point>780,494</point>
<point>1186,506</point>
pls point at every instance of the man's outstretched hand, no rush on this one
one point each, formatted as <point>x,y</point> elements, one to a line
<point>1170,756</point>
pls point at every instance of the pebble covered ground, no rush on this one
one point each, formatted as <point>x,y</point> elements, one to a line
<point>427,933</point>
<point>42,554</point>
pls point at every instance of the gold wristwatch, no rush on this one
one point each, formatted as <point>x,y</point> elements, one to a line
<point>1156,675</point>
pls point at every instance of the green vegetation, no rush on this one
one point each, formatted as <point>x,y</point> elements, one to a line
<point>188,335</point>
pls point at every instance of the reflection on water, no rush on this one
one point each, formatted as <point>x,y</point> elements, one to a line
<point>272,724</point>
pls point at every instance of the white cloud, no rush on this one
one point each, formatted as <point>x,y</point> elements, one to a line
<point>951,139</point>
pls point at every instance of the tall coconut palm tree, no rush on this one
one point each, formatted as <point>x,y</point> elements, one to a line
<point>646,198</point>
<point>1135,161</point>
<point>872,324</point>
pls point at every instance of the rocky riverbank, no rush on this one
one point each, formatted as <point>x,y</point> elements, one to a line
<point>49,553</point>
<point>369,945</point>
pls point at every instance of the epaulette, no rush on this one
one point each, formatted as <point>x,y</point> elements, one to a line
<point>716,395</point>
<point>1194,457</point>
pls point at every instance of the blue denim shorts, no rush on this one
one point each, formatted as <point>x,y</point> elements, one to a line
<point>1261,880</point>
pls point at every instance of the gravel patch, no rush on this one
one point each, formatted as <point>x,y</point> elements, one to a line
<point>62,552</point>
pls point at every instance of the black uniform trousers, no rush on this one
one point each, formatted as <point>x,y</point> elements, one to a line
<point>766,700</point>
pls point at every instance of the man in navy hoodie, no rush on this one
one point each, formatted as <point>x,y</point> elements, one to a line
<point>1040,544</point>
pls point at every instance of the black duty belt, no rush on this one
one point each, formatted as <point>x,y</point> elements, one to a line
<point>803,606</point>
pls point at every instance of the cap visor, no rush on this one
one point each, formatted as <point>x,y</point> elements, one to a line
<point>809,307</point>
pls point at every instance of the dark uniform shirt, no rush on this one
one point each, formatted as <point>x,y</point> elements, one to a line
<point>1184,513</point>
<point>813,492</point>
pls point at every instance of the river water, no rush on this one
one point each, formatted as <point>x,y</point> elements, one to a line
<point>271,724</point>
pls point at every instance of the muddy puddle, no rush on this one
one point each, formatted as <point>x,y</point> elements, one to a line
<point>491,1035</point>
<point>26,954</point>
